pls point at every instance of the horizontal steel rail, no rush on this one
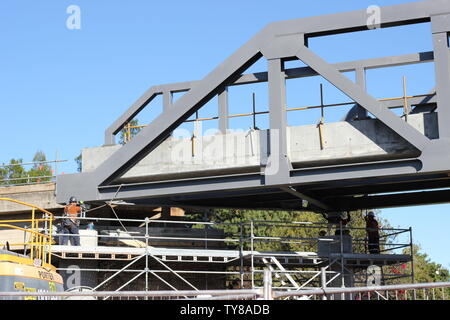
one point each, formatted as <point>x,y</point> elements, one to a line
<point>330,291</point>
<point>156,294</point>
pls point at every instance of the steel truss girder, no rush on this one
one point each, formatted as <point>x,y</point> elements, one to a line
<point>393,200</point>
<point>272,42</point>
<point>259,77</point>
<point>378,109</point>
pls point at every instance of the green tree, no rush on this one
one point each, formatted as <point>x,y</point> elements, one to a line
<point>425,271</point>
<point>79,161</point>
<point>306,225</point>
<point>291,230</point>
<point>13,173</point>
<point>124,136</point>
<point>41,171</point>
<point>3,174</point>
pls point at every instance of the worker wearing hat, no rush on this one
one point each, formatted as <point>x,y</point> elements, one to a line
<point>373,235</point>
<point>70,223</point>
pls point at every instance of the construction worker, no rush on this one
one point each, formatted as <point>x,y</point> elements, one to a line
<point>70,222</point>
<point>373,235</point>
<point>343,222</point>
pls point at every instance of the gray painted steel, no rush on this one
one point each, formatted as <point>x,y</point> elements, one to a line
<point>329,187</point>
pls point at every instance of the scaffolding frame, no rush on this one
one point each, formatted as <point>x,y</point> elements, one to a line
<point>250,262</point>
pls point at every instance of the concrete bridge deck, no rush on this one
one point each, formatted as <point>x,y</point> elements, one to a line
<point>240,152</point>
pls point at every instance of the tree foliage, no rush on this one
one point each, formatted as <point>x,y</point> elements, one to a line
<point>125,135</point>
<point>426,270</point>
<point>41,171</point>
<point>299,236</point>
<point>79,162</point>
<point>15,173</point>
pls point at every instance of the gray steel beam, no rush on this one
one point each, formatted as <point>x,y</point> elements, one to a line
<point>378,109</point>
<point>91,186</point>
<point>431,99</point>
<point>278,166</point>
<point>356,171</point>
<point>393,200</point>
<point>167,100</point>
<point>299,177</point>
<point>223,110</point>
<point>152,135</point>
<point>441,27</point>
<point>402,14</point>
<point>293,73</point>
<point>374,63</point>
<point>303,196</point>
<point>140,104</point>
<point>374,188</point>
<point>314,26</point>
<point>360,72</point>
<point>83,186</point>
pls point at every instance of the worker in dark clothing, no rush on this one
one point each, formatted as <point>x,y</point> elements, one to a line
<point>343,222</point>
<point>373,235</point>
<point>70,223</point>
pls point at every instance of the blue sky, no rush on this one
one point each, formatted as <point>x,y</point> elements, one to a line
<point>60,88</point>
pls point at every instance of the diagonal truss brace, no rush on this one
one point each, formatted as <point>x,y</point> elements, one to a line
<point>303,196</point>
<point>355,92</point>
<point>151,136</point>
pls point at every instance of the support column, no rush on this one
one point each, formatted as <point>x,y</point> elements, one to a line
<point>167,100</point>
<point>440,28</point>
<point>361,81</point>
<point>278,168</point>
<point>110,139</point>
<point>223,111</point>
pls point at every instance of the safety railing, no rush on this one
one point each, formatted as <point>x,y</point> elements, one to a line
<point>242,294</point>
<point>257,235</point>
<point>251,242</point>
<point>25,178</point>
<point>418,291</point>
<point>37,232</point>
<point>414,291</point>
<point>128,128</point>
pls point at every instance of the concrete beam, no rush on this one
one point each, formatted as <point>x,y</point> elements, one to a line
<point>41,195</point>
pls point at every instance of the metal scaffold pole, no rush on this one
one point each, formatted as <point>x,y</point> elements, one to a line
<point>146,253</point>
<point>252,254</point>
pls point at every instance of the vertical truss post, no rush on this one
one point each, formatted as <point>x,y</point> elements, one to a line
<point>252,254</point>
<point>323,281</point>
<point>254,110</point>
<point>223,111</point>
<point>278,169</point>
<point>361,81</point>
<point>241,256</point>
<point>406,108</point>
<point>267,285</point>
<point>440,25</point>
<point>146,254</point>
<point>412,254</point>
<point>167,100</point>
<point>322,119</point>
<point>342,258</point>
